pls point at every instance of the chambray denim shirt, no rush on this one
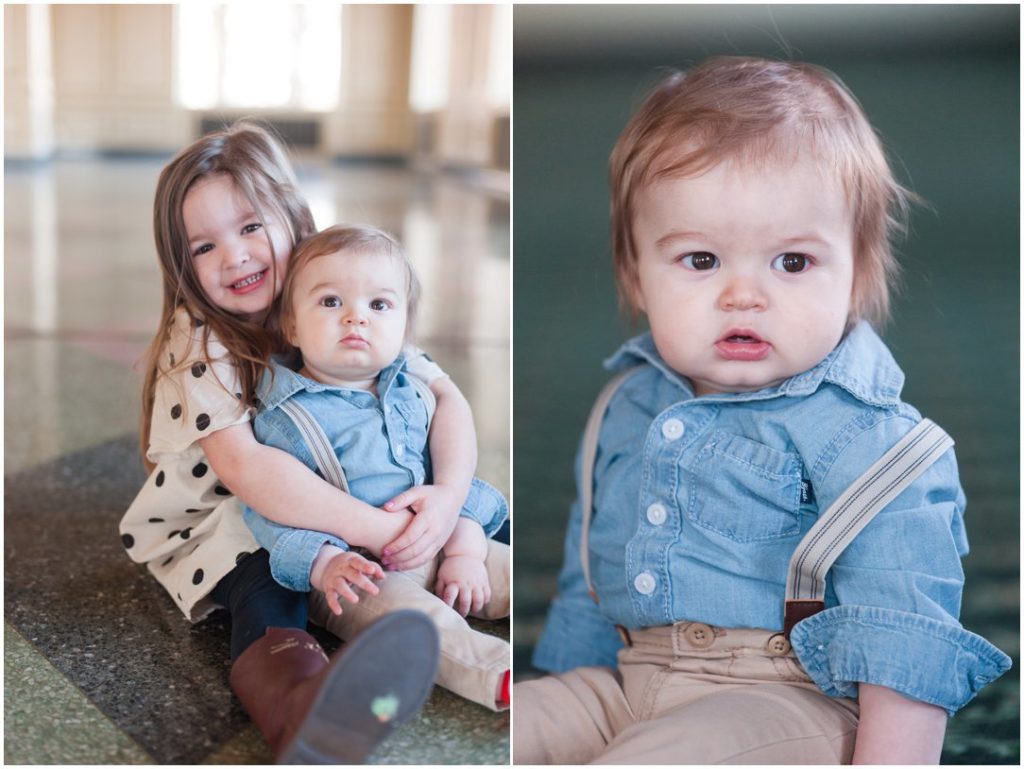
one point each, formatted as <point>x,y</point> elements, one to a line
<point>381,443</point>
<point>699,503</point>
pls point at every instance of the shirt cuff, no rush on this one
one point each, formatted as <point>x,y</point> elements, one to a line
<point>574,638</point>
<point>291,559</point>
<point>935,662</point>
<point>485,505</point>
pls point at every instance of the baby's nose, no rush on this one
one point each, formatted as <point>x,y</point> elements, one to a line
<point>742,294</point>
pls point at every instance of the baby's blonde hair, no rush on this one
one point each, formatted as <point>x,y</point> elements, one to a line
<point>757,111</point>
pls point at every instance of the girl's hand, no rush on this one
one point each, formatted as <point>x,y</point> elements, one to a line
<point>437,509</point>
<point>345,571</point>
<point>463,579</point>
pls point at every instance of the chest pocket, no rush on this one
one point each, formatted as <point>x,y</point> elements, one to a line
<point>412,424</point>
<point>744,490</point>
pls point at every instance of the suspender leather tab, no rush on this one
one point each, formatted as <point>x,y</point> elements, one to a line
<point>797,611</point>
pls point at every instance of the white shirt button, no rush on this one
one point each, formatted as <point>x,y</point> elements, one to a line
<point>645,583</point>
<point>673,429</point>
<point>657,514</point>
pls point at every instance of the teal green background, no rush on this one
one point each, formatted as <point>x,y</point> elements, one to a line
<point>942,88</point>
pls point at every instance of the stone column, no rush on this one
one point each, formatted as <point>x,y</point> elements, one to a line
<point>28,82</point>
<point>114,76</point>
<point>373,119</point>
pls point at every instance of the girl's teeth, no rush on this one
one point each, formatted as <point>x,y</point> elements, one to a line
<point>248,281</point>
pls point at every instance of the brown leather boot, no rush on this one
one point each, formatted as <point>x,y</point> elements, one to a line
<point>312,710</point>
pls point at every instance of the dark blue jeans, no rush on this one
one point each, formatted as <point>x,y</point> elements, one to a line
<point>256,602</point>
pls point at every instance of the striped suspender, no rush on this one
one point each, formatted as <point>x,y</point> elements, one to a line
<point>589,454</point>
<point>321,448</point>
<point>834,530</point>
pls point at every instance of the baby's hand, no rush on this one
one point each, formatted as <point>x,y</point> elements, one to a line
<point>344,572</point>
<point>463,578</point>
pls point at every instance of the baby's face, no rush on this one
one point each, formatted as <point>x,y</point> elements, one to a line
<point>745,274</point>
<point>349,317</point>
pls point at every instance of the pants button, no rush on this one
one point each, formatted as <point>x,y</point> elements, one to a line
<point>699,635</point>
<point>778,645</point>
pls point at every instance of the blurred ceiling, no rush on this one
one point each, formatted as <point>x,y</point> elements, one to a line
<point>595,34</point>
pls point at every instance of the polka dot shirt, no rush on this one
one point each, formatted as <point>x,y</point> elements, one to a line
<point>185,524</point>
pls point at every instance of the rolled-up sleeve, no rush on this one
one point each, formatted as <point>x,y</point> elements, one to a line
<point>935,662</point>
<point>485,505</point>
<point>292,551</point>
<point>895,593</point>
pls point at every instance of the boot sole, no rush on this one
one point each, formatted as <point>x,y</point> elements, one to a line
<point>381,679</point>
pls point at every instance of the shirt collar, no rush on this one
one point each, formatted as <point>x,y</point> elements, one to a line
<point>280,383</point>
<point>861,364</point>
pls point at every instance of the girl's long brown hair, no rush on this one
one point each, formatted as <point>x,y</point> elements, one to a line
<point>252,156</point>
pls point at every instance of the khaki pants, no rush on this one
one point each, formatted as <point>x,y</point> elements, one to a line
<point>685,694</point>
<point>472,663</point>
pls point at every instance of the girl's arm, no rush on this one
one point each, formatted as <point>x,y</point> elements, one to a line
<point>897,730</point>
<point>284,490</point>
<point>453,455</point>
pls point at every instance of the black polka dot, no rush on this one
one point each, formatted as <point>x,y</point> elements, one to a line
<point>169,559</point>
<point>197,322</point>
<point>156,520</point>
<point>186,533</point>
<point>174,533</point>
<point>176,410</point>
<point>197,577</point>
<point>239,557</point>
<point>127,540</point>
<point>193,510</point>
<point>179,596</point>
<point>198,369</point>
<point>238,395</point>
<point>160,478</point>
<point>202,421</point>
<point>200,470</point>
<point>224,492</point>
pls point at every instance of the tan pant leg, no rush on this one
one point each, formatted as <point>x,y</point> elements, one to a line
<point>472,663</point>
<point>497,564</point>
<point>753,724</point>
<point>568,718</point>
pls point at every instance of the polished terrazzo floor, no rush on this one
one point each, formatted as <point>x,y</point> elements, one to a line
<point>99,665</point>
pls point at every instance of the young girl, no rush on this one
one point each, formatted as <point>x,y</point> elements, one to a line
<point>754,443</point>
<point>226,216</point>
<point>349,409</point>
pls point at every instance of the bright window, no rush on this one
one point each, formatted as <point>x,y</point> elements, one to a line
<point>259,55</point>
<point>431,56</point>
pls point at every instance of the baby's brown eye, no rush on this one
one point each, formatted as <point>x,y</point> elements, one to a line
<point>701,260</point>
<point>791,262</point>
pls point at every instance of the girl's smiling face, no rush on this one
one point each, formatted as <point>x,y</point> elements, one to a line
<point>238,268</point>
